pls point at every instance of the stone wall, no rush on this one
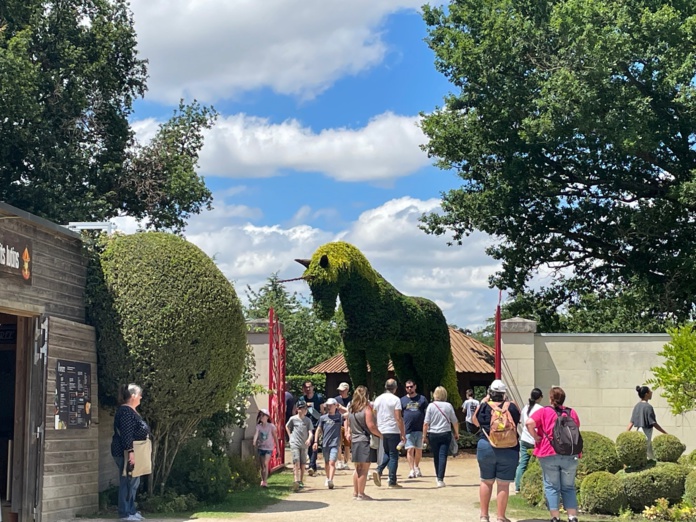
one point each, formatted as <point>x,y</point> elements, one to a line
<point>599,373</point>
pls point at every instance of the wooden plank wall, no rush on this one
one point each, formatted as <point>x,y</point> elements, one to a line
<point>59,272</point>
<point>71,464</point>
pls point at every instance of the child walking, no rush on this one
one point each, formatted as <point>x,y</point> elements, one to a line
<point>265,440</point>
<point>330,428</point>
<point>300,431</point>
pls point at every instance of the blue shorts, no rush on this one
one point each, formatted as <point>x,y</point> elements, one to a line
<point>330,454</point>
<point>496,463</point>
<point>414,440</point>
<point>264,453</point>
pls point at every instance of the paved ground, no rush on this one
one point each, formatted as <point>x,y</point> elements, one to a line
<point>419,500</point>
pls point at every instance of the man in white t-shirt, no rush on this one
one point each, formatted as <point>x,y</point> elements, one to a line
<point>469,407</point>
<point>390,423</point>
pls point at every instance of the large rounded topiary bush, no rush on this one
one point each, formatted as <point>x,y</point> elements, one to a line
<point>532,485</point>
<point>602,492</point>
<point>667,448</point>
<point>169,320</point>
<point>598,454</point>
<point>632,449</point>
<point>643,488</point>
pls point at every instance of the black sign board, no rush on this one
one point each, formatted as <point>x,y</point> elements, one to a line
<point>8,334</point>
<point>73,402</point>
<point>16,257</point>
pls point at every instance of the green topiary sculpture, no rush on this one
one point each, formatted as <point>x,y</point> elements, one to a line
<point>168,320</point>
<point>532,485</point>
<point>598,454</point>
<point>643,488</point>
<point>632,449</point>
<point>380,322</point>
<point>667,448</point>
<point>690,488</point>
<point>602,492</point>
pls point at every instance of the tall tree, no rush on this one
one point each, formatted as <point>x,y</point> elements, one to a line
<point>309,340</point>
<point>573,125</point>
<point>69,73</point>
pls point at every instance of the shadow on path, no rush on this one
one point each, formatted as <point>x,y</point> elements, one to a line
<point>292,505</point>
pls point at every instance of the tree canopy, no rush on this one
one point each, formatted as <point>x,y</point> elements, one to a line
<point>69,73</point>
<point>309,340</point>
<point>572,124</point>
<point>677,375</point>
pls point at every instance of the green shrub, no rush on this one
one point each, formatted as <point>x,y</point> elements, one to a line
<point>245,472</point>
<point>688,460</point>
<point>632,449</point>
<point>662,511</point>
<point>643,488</point>
<point>690,488</point>
<point>169,502</point>
<point>108,498</point>
<point>602,492</point>
<point>667,448</point>
<point>532,486</point>
<point>467,440</point>
<point>598,454</point>
<point>318,380</point>
<point>200,472</point>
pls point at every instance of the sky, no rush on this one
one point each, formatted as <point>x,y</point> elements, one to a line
<point>317,139</point>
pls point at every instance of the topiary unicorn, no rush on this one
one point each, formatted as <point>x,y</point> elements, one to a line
<point>380,322</point>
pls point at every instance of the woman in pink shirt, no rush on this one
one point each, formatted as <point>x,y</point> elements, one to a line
<point>558,470</point>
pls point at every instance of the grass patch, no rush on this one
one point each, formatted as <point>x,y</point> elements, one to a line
<point>250,500</point>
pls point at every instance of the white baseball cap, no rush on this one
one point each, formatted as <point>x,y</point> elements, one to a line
<point>343,386</point>
<point>498,386</point>
<point>265,412</point>
<point>331,401</point>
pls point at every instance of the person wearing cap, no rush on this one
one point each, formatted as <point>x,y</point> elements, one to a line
<point>265,440</point>
<point>329,431</point>
<point>495,464</point>
<point>300,431</point>
<point>343,399</point>
<point>315,409</point>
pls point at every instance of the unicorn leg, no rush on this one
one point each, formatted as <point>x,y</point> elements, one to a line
<point>378,357</point>
<point>357,366</point>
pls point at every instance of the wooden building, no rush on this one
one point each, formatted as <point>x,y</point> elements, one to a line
<point>473,360</point>
<point>48,373</point>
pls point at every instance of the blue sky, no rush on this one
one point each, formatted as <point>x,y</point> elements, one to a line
<point>317,138</point>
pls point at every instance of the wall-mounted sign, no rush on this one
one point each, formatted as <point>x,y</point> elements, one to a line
<point>73,400</point>
<point>8,333</point>
<point>16,257</point>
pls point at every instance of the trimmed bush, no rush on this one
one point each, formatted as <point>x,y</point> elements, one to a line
<point>688,460</point>
<point>199,472</point>
<point>532,487</point>
<point>690,488</point>
<point>667,448</point>
<point>632,449</point>
<point>643,488</point>
<point>598,454</point>
<point>602,492</point>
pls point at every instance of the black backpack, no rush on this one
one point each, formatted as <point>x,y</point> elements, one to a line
<point>567,439</point>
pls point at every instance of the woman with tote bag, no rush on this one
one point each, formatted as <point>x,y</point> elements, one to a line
<point>441,428</point>
<point>131,450</point>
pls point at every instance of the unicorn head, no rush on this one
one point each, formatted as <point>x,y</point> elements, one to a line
<point>332,268</point>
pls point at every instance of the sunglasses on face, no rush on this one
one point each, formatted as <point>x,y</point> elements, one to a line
<point>409,387</point>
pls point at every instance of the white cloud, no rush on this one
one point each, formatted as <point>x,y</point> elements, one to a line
<point>217,49</point>
<point>246,146</point>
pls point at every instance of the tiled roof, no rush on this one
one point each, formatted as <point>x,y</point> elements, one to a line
<point>470,356</point>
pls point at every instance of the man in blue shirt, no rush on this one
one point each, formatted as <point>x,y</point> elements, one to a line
<point>414,405</point>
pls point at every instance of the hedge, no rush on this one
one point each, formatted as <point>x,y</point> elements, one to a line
<point>598,454</point>
<point>632,449</point>
<point>532,486</point>
<point>643,488</point>
<point>690,488</point>
<point>667,448</point>
<point>602,492</point>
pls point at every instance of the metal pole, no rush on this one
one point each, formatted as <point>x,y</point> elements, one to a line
<point>498,349</point>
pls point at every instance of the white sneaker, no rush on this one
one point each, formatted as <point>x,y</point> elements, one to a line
<point>326,483</point>
<point>418,473</point>
<point>412,474</point>
<point>331,485</point>
<point>440,483</point>
<point>131,518</point>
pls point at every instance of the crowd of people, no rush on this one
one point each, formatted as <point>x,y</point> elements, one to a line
<point>346,426</point>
